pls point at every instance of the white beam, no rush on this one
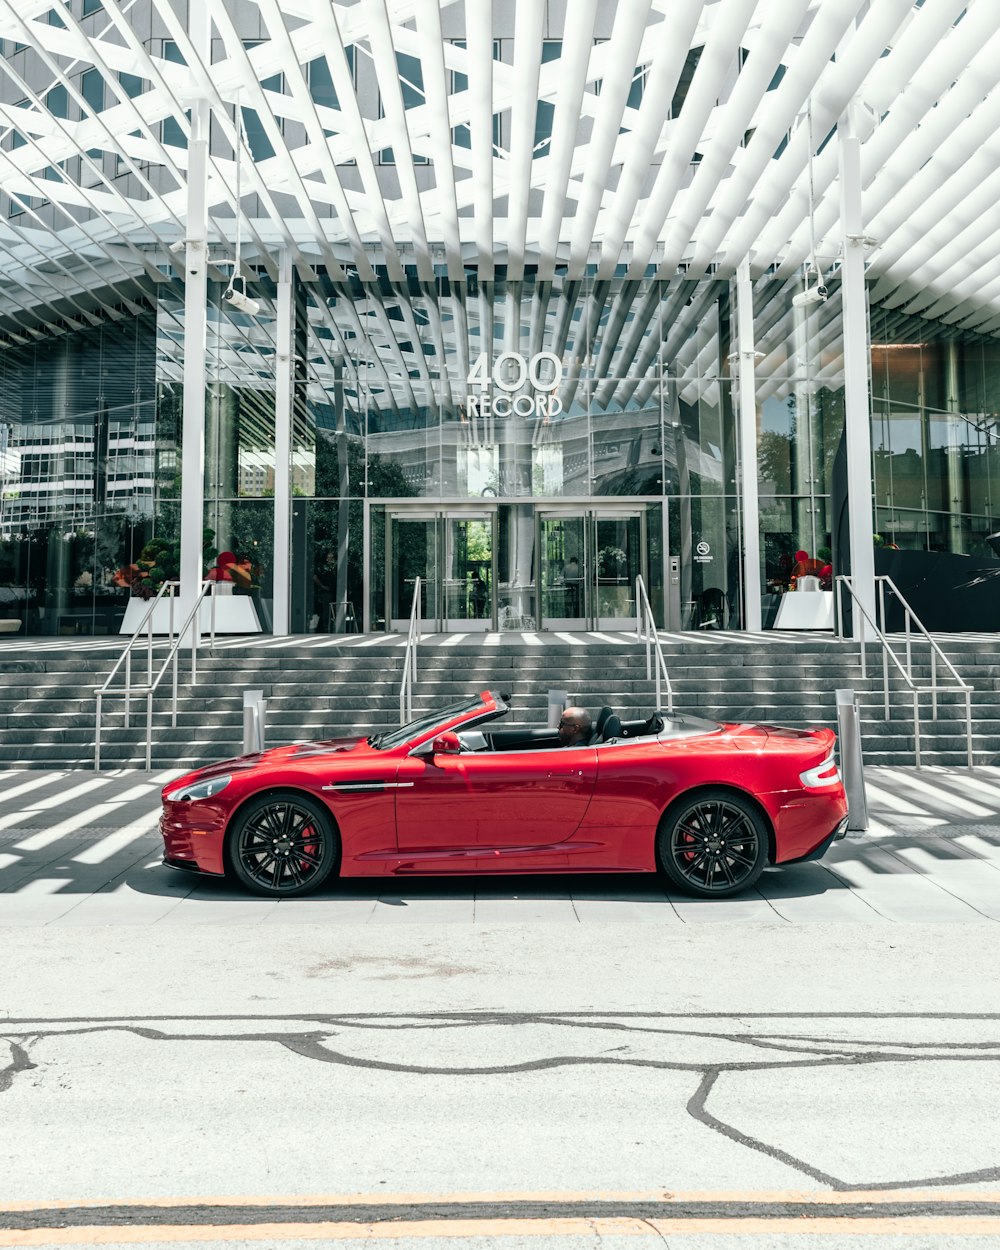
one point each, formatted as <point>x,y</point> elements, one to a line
<point>750,512</point>
<point>283,405</point>
<point>195,333</point>
<point>857,412</point>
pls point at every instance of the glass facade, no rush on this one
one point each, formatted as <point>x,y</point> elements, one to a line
<point>524,447</point>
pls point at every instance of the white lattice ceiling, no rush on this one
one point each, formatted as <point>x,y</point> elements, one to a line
<point>707,163</point>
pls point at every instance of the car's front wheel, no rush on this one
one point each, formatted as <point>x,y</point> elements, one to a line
<point>282,845</point>
<point>713,844</point>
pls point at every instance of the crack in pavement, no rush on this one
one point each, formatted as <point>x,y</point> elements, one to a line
<point>313,1044</point>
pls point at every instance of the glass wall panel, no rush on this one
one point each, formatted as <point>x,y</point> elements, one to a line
<point>512,396</point>
<point>77,475</point>
<point>935,394</point>
<point>800,399</point>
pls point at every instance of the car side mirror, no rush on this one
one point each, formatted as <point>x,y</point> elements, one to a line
<point>447,744</point>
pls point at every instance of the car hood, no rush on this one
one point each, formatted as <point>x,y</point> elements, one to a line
<point>293,751</point>
<point>276,755</point>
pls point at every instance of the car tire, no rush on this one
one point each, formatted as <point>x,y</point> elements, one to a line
<point>712,843</point>
<point>282,845</point>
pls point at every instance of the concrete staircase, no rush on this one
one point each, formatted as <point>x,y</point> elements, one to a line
<point>338,687</point>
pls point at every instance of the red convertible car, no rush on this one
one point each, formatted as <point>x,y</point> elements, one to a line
<point>709,805</point>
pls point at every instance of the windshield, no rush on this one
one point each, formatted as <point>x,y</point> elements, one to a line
<point>406,733</point>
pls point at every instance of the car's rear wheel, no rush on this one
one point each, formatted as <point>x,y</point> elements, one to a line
<point>282,845</point>
<point>712,844</point>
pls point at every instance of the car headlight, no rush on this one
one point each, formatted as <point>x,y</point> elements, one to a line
<point>200,790</point>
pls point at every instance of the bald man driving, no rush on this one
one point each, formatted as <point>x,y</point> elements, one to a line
<point>574,727</point>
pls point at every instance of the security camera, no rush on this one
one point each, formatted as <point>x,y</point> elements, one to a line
<point>236,297</point>
<point>811,295</point>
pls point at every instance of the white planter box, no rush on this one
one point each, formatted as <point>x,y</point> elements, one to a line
<point>805,609</point>
<point>234,614</point>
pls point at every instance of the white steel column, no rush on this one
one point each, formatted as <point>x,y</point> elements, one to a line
<point>857,410</point>
<point>195,330</point>
<point>283,374</point>
<point>748,448</point>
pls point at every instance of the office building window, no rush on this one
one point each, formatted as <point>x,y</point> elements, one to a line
<point>171,132</point>
<point>322,89</point>
<point>411,83</point>
<point>461,136</point>
<point>257,140</point>
<point>92,90</point>
<point>546,110</point>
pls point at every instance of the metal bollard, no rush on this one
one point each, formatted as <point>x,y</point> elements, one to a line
<point>557,705</point>
<point>851,769</point>
<point>254,713</point>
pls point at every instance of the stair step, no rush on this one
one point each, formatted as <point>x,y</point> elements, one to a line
<point>317,690</point>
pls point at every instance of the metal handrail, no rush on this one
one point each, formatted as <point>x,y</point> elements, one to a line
<point>410,659</point>
<point>906,671</point>
<point>153,680</point>
<point>645,630</point>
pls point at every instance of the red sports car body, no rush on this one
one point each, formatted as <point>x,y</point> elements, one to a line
<point>710,805</point>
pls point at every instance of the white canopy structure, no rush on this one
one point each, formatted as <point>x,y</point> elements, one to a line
<point>408,134</point>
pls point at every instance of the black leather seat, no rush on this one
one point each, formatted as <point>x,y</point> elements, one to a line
<point>602,720</point>
<point>612,728</point>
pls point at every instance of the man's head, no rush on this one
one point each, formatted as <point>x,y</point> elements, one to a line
<point>574,727</point>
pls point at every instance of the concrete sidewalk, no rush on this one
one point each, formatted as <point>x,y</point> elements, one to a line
<point>79,848</point>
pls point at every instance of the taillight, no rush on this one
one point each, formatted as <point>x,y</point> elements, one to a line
<point>825,774</point>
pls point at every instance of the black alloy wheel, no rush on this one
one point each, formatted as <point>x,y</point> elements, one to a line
<point>713,844</point>
<point>282,845</point>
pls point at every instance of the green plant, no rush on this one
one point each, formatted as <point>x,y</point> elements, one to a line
<point>611,562</point>
<point>160,561</point>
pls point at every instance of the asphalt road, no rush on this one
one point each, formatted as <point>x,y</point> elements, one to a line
<point>584,1067</point>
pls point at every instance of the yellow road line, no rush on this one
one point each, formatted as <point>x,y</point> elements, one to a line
<point>977,1226</point>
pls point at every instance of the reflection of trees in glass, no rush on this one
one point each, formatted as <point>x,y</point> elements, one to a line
<point>778,452</point>
<point>774,461</point>
<point>251,534</point>
<point>612,562</point>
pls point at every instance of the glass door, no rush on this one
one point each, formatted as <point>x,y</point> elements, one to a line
<point>469,572</point>
<point>565,570</point>
<point>589,561</point>
<point>619,544</point>
<point>454,555</point>
<point>413,549</point>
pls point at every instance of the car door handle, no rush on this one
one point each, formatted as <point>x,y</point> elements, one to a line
<point>571,772</point>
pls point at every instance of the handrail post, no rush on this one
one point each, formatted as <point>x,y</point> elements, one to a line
<point>909,637</point>
<point>149,650</point>
<point>910,620</point>
<point>97,736</point>
<point>413,636</point>
<point>175,650</point>
<point>149,727</point>
<point>646,630</point>
<point>933,684</point>
<point>968,725</point>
